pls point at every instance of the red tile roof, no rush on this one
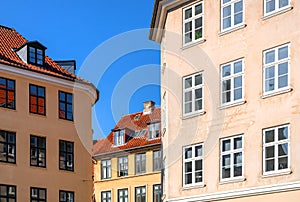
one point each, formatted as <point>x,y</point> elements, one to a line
<point>106,145</point>
<point>10,40</point>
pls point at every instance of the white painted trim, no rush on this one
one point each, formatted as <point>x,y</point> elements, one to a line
<point>274,188</point>
<point>80,85</point>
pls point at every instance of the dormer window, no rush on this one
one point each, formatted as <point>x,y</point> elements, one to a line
<point>36,56</point>
<point>119,137</point>
<point>154,130</point>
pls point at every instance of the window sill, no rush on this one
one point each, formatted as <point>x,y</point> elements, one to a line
<point>227,181</point>
<point>189,45</point>
<point>275,13</point>
<point>227,31</point>
<point>193,115</point>
<point>232,104</point>
<point>286,90</point>
<point>278,173</point>
<point>194,186</point>
<point>38,115</point>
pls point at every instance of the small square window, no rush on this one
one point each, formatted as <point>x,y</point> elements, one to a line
<point>65,105</point>
<point>7,93</point>
<point>273,6</point>
<point>232,14</point>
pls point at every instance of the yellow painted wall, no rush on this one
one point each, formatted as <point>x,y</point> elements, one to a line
<point>54,129</point>
<point>131,181</point>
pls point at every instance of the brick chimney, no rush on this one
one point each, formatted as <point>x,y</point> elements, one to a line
<point>148,107</point>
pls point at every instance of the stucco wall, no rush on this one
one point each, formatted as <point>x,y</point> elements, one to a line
<point>249,118</point>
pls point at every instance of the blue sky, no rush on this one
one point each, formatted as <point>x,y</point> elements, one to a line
<point>73,29</point>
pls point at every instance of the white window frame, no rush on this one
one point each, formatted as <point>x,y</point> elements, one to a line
<point>193,159</point>
<point>193,90</point>
<point>107,198</point>
<point>275,143</point>
<point>122,163</point>
<point>231,77</point>
<point>275,64</point>
<point>140,162</point>
<point>154,130</point>
<point>192,19</point>
<point>277,9</point>
<point>232,3</point>
<point>119,137</point>
<point>231,152</point>
<point>106,166</point>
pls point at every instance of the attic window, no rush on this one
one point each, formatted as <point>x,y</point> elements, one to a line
<point>154,130</point>
<point>36,55</point>
<point>119,137</point>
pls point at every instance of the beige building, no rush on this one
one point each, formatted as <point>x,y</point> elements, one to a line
<point>45,125</point>
<point>230,99</point>
<point>128,161</point>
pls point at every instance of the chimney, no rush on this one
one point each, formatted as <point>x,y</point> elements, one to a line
<point>148,107</point>
<point>69,65</point>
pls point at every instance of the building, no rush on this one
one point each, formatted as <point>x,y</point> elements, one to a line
<point>129,160</point>
<point>45,125</point>
<point>230,99</point>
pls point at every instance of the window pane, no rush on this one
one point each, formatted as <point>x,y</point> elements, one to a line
<point>225,172</point>
<point>226,70</point>
<point>198,165</point>
<point>238,67</point>
<point>188,83</point>
<point>188,26</point>
<point>188,153</point>
<point>283,133</point>
<point>226,145</point>
<point>198,79</point>
<point>283,3</point>
<point>270,57</point>
<point>270,72</point>
<point>283,52</point>
<point>270,6</point>
<point>225,1</point>
<point>188,178</point>
<point>188,37</point>
<point>238,7</point>
<point>226,11</point>
<point>270,152</point>
<point>198,23</point>
<point>226,22</point>
<point>198,93</point>
<point>198,176</point>
<point>283,149</point>
<point>188,167</point>
<point>226,85</point>
<point>283,81</point>
<point>238,81</point>
<point>238,171</point>
<point>188,108</point>
<point>188,96</point>
<point>238,94</point>
<point>270,165</point>
<point>198,105</point>
<point>188,13</point>
<point>270,85</point>
<point>226,160</point>
<point>282,163</point>
<point>198,151</point>
<point>238,143</point>
<point>198,9</point>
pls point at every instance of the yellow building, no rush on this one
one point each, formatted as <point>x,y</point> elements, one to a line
<point>128,161</point>
<point>230,99</point>
<point>45,125</point>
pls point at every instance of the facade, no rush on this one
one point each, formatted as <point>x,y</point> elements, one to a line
<point>45,127</point>
<point>128,161</point>
<point>230,99</point>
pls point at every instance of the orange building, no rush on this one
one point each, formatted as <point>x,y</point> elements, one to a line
<point>128,161</point>
<point>45,125</point>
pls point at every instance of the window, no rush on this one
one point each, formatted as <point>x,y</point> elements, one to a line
<point>193,165</point>
<point>36,56</point>
<point>7,146</point>
<point>119,137</point>
<point>37,100</point>
<point>276,69</point>
<point>140,194</point>
<point>272,6</point>
<point>154,130</point>
<point>157,160</point>
<point>8,193</point>
<point>140,163</point>
<point>157,193</point>
<point>193,23</point>
<point>106,169</point>
<point>276,149</point>
<point>65,106</point>
<point>122,166</point>
<point>232,79</point>
<point>105,196</point>
<point>7,93</point>
<point>66,196</point>
<point>232,13</point>
<point>66,155</point>
<point>123,195</point>
<point>193,94</point>
<point>38,194</point>
<point>37,151</point>
<point>231,158</point>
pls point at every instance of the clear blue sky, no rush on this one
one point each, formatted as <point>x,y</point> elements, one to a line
<point>73,29</point>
